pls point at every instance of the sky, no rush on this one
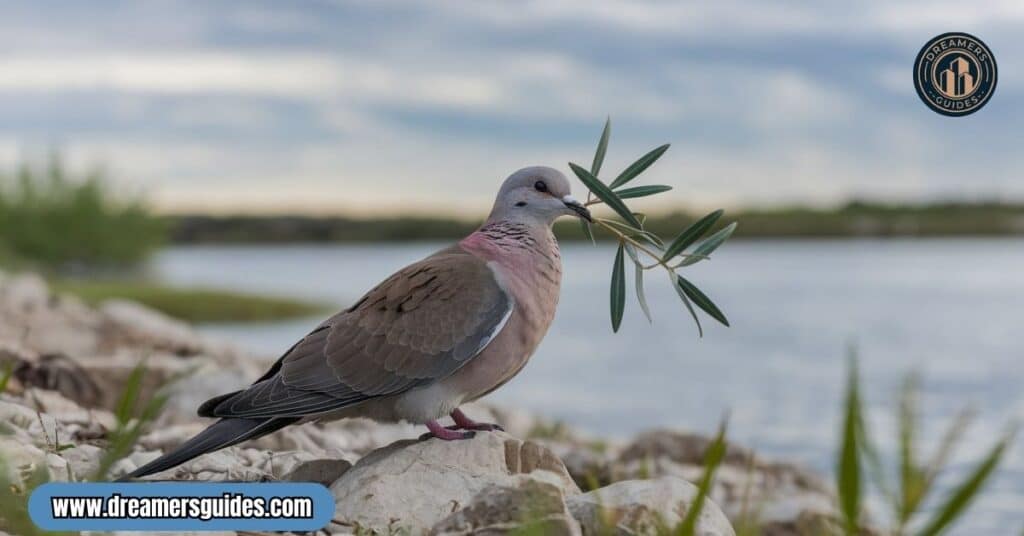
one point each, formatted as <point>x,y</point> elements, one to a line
<point>375,107</point>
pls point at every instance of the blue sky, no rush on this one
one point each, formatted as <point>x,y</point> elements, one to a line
<point>371,107</point>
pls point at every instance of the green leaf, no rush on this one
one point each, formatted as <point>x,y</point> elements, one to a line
<point>587,231</point>
<point>5,376</point>
<point>129,398</point>
<point>602,147</point>
<point>686,301</point>
<point>848,473</point>
<point>966,491</point>
<point>691,234</point>
<point>712,459</point>
<point>706,247</point>
<point>642,191</point>
<point>911,475</point>
<point>639,166</point>
<point>618,291</point>
<point>604,194</point>
<point>702,301</point>
<point>638,274</point>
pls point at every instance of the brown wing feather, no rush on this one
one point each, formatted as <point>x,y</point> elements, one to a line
<point>418,326</point>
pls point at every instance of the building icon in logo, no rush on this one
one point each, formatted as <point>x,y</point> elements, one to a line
<point>957,80</point>
<point>955,74</point>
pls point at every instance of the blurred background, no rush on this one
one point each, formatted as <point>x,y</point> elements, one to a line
<point>251,165</point>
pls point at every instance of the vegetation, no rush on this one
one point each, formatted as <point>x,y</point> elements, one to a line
<point>645,248</point>
<point>910,488</point>
<point>53,219</point>
<point>135,414</point>
<point>854,219</point>
<point>192,305</point>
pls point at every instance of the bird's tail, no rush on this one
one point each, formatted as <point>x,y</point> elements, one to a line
<point>221,434</point>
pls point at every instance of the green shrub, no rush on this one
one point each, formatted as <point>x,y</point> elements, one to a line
<point>56,220</point>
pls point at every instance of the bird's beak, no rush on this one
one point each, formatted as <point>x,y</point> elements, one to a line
<point>577,207</point>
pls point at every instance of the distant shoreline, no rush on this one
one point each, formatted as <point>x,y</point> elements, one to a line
<point>853,220</point>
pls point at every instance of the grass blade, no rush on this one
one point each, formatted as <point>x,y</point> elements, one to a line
<point>712,459</point>
<point>911,481</point>
<point>967,491</point>
<point>5,376</point>
<point>702,301</point>
<point>639,166</point>
<point>711,244</point>
<point>618,290</point>
<point>686,301</point>
<point>642,191</point>
<point>848,477</point>
<point>605,194</point>
<point>602,147</point>
<point>691,234</point>
<point>130,397</point>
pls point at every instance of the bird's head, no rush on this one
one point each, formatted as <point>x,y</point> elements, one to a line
<point>537,194</point>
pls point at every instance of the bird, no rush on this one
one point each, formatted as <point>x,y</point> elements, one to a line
<point>441,332</point>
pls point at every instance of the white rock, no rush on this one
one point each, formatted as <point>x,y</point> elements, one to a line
<point>150,327</point>
<point>530,507</point>
<point>415,484</point>
<point>639,506</point>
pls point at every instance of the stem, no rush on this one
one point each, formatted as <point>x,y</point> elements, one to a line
<point>638,245</point>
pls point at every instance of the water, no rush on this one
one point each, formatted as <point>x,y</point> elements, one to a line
<point>950,309</point>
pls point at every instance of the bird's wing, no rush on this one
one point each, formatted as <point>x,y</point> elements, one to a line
<point>418,326</point>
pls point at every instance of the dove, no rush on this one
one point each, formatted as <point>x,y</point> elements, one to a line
<point>439,333</point>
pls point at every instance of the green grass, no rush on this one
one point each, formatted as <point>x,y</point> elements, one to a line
<point>195,305</point>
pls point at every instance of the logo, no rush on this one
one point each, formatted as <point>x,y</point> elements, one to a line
<point>955,74</point>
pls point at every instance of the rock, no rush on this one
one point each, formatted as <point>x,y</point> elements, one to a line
<point>139,325</point>
<point>782,492</point>
<point>324,471</point>
<point>416,484</point>
<point>24,293</point>
<point>645,507</point>
<point>60,373</point>
<point>531,506</point>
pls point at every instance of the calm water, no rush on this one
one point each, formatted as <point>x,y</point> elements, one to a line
<point>951,309</point>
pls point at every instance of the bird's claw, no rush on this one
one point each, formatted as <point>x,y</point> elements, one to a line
<point>479,426</point>
<point>450,435</point>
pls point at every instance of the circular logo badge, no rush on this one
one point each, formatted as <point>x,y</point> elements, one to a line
<point>955,74</point>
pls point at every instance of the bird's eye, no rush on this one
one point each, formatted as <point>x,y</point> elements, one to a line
<point>540,186</point>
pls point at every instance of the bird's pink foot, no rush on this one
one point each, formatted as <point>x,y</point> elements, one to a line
<point>462,422</point>
<point>440,432</point>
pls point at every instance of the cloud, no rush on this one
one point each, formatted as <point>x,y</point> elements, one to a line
<point>362,105</point>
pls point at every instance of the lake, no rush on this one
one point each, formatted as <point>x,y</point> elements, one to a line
<point>949,309</point>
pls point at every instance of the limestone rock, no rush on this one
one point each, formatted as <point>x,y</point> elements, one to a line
<point>323,471</point>
<point>531,506</point>
<point>782,492</point>
<point>139,325</point>
<point>644,506</point>
<point>416,484</point>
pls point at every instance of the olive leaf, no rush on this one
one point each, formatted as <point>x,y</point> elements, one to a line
<point>691,234</point>
<point>702,301</point>
<point>642,191</point>
<point>638,167</point>
<point>706,247</point>
<point>602,148</point>
<point>638,281</point>
<point>605,194</point>
<point>618,291</point>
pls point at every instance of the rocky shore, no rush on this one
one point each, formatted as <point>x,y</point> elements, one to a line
<point>71,362</point>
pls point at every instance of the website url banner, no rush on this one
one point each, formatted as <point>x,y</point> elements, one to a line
<point>181,506</point>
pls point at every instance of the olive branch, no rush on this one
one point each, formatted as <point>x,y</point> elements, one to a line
<point>644,248</point>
